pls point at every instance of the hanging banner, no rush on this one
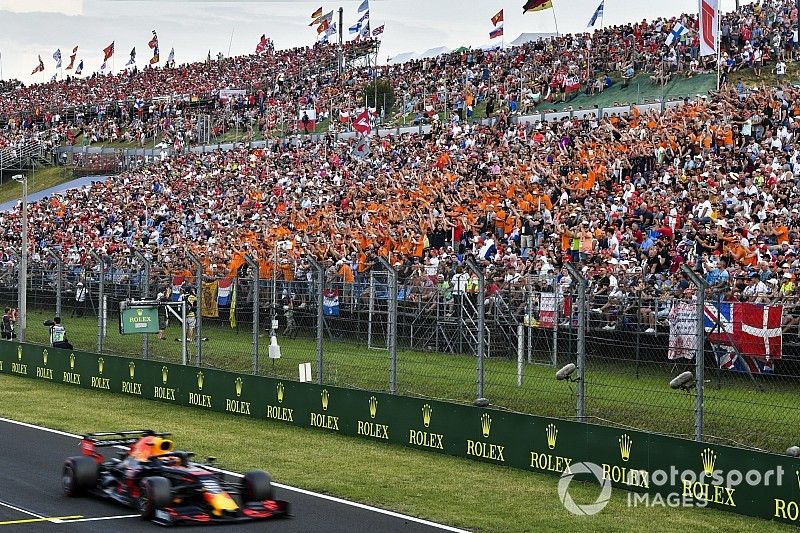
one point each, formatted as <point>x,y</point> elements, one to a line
<point>709,27</point>
<point>210,306</point>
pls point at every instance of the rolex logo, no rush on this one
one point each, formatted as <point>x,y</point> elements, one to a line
<point>552,435</point>
<point>72,361</point>
<point>625,443</point>
<point>44,357</point>
<point>325,398</point>
<point>200,378</point>
<point>238,387</point>
<point>709,458</point>
<point>280,392</point>
<point>164,374</point>
<point>101,363</point>
<point>131,369</point>
<point>19,353</point>
<point>486,424</point>
<point>797,473</point>
<point>139,312</point>
<point>427,411</point>
<point>373,406</point>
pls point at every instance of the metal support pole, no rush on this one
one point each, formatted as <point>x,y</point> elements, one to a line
<point>59,279</point>
<point>699,357</point>
<point>318,284</point>
<point>198,314</point>
<point>391,330</point>
<point>253,264</point>
<point>146,292</point>
<point>578,278</point>
<point>22,283</point>
<point>101,297</point>
<point>481,326</point>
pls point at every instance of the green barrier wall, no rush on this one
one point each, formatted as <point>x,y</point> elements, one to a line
<point>633,460</point>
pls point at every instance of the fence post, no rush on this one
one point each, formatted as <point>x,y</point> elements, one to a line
<point>59,279</point>
<point>481,324</point>
<point>253,264</point>
<point>578,278</point>
<point>101,296</point>
<point>146,290</point>
<point>699,373</point>
<point>198,314</point>
<point>317,286</point>
<point>392,323</point>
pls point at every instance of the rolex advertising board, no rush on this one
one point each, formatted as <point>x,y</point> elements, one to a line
<point>652,468</point>
<point>139,319</point>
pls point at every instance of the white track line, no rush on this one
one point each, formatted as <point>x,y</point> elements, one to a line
<point>98,518</point>
<point>378,510</point>
<point>21,510</point>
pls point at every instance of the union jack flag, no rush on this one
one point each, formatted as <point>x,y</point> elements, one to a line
<point>730,360</point>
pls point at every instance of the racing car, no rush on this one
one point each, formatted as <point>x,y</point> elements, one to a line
<point>167,486</point>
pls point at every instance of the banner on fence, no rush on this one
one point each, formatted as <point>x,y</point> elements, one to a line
<point>682,331</point>
<point>210,305</point>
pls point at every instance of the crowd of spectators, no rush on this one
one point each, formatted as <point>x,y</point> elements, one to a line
<point>711,183</point>
<point>130,106</point>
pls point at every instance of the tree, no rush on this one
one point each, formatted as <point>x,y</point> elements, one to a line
<point>384,92</point>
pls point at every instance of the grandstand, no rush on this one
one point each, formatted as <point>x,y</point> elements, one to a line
<point>674,173</point>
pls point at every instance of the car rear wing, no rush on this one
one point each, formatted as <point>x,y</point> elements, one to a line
<point>91,441</point>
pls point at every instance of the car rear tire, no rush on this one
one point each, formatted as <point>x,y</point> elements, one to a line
<point>156,493</point>
<point>79,475</point>
<point>256,486</point>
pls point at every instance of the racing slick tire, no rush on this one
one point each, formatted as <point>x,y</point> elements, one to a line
<point>256,486</point>
<point>156,493</point>
<point>79,475</point>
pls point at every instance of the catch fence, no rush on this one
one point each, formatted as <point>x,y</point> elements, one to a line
<point>502,337</point>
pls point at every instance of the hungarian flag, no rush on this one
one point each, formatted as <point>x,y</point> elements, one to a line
<point>262,44</point>
<point>537,5</point>
<point>497,19</point>
<point>108,51</point>
<point>361,124</point>
<point>39,68</point>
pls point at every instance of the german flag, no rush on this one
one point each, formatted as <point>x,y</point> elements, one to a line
<point>316,13</point>
<point>537,5</point>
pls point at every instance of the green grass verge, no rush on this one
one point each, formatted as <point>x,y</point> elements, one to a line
<point>614,394</point>
<point>37,181</point>
<point>446,489</point>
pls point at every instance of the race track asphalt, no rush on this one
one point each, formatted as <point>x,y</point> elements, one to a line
<point>30,491</point>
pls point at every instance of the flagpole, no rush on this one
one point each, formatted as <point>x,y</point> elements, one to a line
<point>602,13</point>
<point>555,20</point>
<point>719,48</point>
<point>230,42</point>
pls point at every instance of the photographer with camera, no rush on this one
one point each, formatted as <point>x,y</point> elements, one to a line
<point>7,327</point>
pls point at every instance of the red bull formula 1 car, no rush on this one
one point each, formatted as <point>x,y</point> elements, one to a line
<point>166,485</point>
